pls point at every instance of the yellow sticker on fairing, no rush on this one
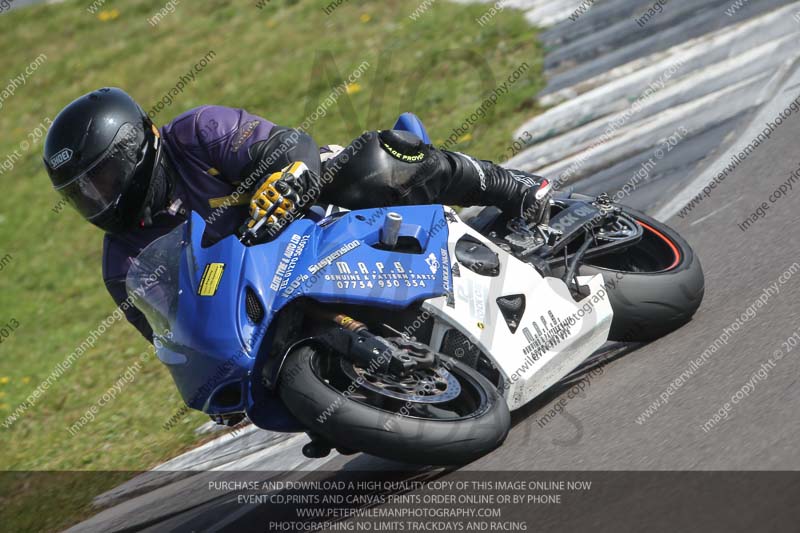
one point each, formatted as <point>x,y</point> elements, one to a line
<point>209,282</point>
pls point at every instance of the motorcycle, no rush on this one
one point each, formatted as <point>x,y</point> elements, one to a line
<point>407,332</point>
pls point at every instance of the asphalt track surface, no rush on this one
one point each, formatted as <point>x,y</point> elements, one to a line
<point>763,429</point>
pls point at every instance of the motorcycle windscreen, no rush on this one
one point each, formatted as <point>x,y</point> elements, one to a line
<point>152,280</point>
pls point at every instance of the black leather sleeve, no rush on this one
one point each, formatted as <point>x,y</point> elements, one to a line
<point>389,167</point>
<point>384,168</point>
<point>284,146</point>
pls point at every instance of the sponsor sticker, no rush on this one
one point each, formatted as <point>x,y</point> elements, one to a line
<point>209,282</point>
<point>433,263</point>
<point>327,261</point>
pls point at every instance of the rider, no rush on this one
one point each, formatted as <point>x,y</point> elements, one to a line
<point>108,160</point>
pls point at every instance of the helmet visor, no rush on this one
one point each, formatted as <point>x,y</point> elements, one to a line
<point>102,184</point>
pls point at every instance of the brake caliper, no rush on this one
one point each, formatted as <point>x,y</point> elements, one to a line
<point>396,356</point>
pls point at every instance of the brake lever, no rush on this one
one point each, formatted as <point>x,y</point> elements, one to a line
<point>247,235</point>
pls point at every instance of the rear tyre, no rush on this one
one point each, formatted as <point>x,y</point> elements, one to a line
<point>654,287</point>
<point>318,391</point>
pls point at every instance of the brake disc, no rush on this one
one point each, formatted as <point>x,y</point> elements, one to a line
<point>422,385</point>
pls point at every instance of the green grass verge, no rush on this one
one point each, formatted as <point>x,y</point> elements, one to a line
<point>281,62</point>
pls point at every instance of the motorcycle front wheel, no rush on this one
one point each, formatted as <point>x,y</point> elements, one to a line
<point>447,415</point>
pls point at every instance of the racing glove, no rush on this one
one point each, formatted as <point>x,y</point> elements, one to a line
<point>277,201</point>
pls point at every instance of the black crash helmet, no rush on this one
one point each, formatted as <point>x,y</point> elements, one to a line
<point>101,152</point>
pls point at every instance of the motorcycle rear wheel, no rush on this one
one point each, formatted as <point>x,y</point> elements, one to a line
<point>654,287</point>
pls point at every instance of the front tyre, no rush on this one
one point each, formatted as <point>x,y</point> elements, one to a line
<point>415,420</point>
<point>654,287</point>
